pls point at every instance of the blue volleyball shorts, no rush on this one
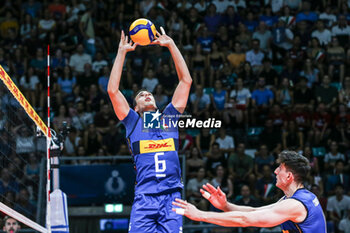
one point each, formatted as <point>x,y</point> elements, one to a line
<point>152,213</point>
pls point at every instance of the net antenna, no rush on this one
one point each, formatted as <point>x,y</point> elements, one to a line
<point>48,142</point>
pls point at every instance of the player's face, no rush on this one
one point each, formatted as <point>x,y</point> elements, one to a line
<point>145,101</point>
<point>281,176</point>
<point>11,226</point>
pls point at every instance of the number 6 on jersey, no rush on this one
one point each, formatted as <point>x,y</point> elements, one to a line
<point>160,165</point>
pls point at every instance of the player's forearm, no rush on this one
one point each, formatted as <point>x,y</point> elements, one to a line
<point>226,219</point>
<point>232,207</point>
<point>180,64</point>
<point>116,73</point>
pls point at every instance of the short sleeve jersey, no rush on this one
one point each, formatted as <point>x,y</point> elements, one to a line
<point>154,153</point>
<point>314,221</point>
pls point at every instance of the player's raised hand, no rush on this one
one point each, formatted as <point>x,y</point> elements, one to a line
<point>216,196</point>
<point>187,209</point>
<point>124,43</point>
<point>162,39</point>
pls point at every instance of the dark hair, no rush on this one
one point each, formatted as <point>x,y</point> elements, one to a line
<point>136,94</point>
<point>296,163</point>
<point>7,218</point>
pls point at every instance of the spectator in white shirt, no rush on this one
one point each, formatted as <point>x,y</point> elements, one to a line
<point>201,6</point>
<point>150,82</point>
<point>255,56</point>
<point>221,5</point>
<point>342,31</point>
<point>294,5</point>
<point>99,63</point>
<point>83,118</point>
<point>200,102</point>
<point>263,35</point>
<point>332,156</point>
<point>46,24</point>
<point>276,5</point>
<point>338,205</point>
<point>342,28</point>
<point>238,104</point>
<point>193,186</point>
<point>322,34</point>
<point>328,17</point>
<point>78,60</point>
<point>226,142</point>
<point>239,4</point>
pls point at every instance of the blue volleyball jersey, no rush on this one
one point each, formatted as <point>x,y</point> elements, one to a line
<point>155,154</point>
<point>314,222</point>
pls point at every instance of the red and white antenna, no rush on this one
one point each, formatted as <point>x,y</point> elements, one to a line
<point>48,143</point>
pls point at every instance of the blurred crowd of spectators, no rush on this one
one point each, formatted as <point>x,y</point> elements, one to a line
<point>276,72</point>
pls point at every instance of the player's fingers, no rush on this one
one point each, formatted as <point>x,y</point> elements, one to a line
<point>179,204</point>
<point>134,46</point>
<point>122,35</point>
<point>126,39</point>
<point>179,211</point>
<point>221,193</point>
<point>162,30</point>
<point>211,188</point>
<point>157,34</point>
<point>180,201</point>
<point>206,188</point>
<point>155,42</point>
<point>206,195</point>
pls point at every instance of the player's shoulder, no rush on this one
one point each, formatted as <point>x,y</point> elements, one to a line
<point>294,209</point>
<point>290,204</point>
<point>171,109</point>
<point>130,116</point>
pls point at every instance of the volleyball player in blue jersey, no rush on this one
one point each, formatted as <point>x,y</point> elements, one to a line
<point>299,211</point>
<point>154,151</point>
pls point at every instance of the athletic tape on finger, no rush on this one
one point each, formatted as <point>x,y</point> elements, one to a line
<point>180,211</point>
<point>162,30</point>
<point>206,195</point>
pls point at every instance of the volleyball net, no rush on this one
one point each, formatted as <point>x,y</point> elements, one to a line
<point>23,158</point>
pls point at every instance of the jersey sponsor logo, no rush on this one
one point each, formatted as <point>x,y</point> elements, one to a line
<point>149,146</point>
<point>315,201</point>
<point>285,231</point>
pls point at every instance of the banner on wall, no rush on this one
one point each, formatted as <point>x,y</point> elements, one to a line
<point>98,184</point>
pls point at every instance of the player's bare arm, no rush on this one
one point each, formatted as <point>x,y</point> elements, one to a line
<point>218,199</point>
<point>182,90</point>
<point>120,105</point>
<point>282,211</point>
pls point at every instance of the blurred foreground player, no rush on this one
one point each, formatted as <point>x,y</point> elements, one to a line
<point>298,211</point>
<point>11,225</point>
<point>154,150</point>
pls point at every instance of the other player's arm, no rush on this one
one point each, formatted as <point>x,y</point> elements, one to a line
<point>283,211</point>
<point>218,199</point>
<point>120,105</point>
<point>182,90</point>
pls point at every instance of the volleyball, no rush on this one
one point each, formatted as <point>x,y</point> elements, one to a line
<point>142,31</point>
